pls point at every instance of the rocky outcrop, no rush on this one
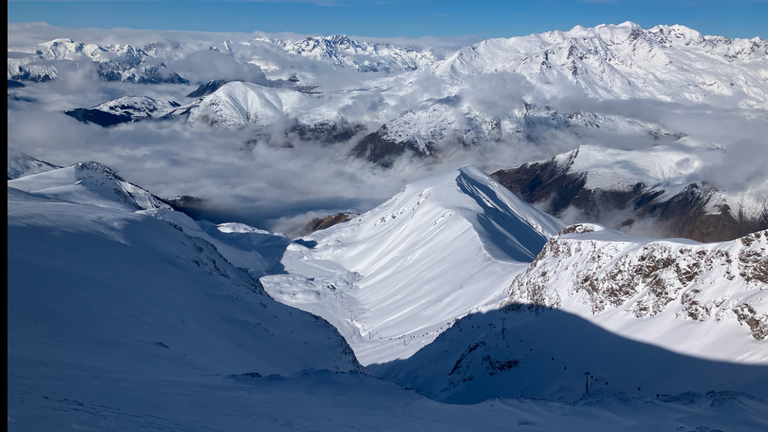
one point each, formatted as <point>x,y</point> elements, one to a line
<point>318,224</point>
<point>645,279</point>
<point>697,212</point>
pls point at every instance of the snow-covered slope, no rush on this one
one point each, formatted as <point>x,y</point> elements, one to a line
<point>240,103</point>
<point>114,62</point>
<point>89,183</point>
<point>125,295</point>
<point>127,109</point>
<point>450,122</point>
<point>669,63</point>
<point>623,188</point>
<point>651,290</point>
<point>394,278</point>
<point>635,315</point>
<point>362,55</point>
<point>21,164</point>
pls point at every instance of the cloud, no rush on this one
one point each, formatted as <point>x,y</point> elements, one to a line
<point>283,182</point>
<point>204,66</point>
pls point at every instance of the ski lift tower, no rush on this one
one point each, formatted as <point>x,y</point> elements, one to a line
<point>587,375</point>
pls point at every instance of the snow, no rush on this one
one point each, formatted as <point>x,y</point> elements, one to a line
<point>129,295</point>
<point>139,107</point>
<point>21,164</point>
<point>393,279</point>
<point>240,103</point>
<point>652,291</point>
<point>127,317</point>
<point>89,183</point>
<point>624,61</point>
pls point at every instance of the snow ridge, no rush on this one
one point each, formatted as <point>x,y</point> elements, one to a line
<point>393,279</point>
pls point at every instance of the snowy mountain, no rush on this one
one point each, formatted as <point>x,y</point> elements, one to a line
<point>125,314</point>
<point>121,62</point>
<point>239,103</point>
<point>623,188</point>
<point>669,63</point>
<point>21,164</point>
<point>89,183</point>
<point>620,281</point>
<point>635,315</point>
<point>436,290</point>
<point>393,279</point>
<point>128,109</point>
<point>98,282</point>
<point>448,123</point>
<point>365,56</point>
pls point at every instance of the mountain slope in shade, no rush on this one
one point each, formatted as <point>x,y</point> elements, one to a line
<point>635,315</point>
<point>621,189</point>
<point>125,294</point>
<point>21,164</point>
<point>641,316</point>
<point>394,278</point>
<point>669,63</point>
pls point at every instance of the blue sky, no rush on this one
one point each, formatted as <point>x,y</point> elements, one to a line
<point>391,18</point>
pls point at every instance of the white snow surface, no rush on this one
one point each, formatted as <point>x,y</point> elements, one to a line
<point>139,107</point>
<point>669,63</point>
<point>89,183</point>
<point>240,103</point>
<point>394,278</point>
<point>21,164</point>
<point>700,299</point>
<point>123,320</point>
<point>123,294</point>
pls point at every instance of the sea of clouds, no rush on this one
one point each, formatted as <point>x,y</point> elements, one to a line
<point>281,184</point>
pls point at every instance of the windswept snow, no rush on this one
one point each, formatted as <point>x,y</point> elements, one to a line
<point>21,164</point>
<point>89,183</point>
<point>394,278</point>
<point>126,295</point>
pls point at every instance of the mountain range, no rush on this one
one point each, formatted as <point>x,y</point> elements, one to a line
<point>570,92</point>
<point>454,297</point>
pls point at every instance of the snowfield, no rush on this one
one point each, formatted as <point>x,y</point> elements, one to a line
<point>393,279</point>
<point>125,316</point>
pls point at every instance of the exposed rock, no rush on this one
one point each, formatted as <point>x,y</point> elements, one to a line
<point>326,222</point>
<point>207,88</point>
<point>686,214</point>
<point>646,279</point>
<point>329,132</point>
<point>382,151</point>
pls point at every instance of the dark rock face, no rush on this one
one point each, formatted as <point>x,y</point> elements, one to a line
<point>15,84</point>
<point>189,205</point>
<point>328,132</point>
<point>383,152</point>
<point>682,215</point>
<point>207,88</point>
<point>101,118</point>
<point>26,75</point>
<point>326,222</point>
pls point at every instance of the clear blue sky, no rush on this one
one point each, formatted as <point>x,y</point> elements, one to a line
<point>390,18</point>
